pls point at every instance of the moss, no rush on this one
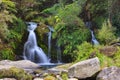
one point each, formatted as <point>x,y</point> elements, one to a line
<point>64,76</point>
<point>49,77</point>
<point>14,72</point>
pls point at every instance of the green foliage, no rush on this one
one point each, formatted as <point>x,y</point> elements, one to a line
<point>19,26</point>
<point>117,58</point>
<point>70,29</point>
<point>65,16</point>
<point>14,36</point>
<point>116,23</point>
<point>115,15</point>
<point>7,53</point>
<point>14,72</point>
<point>83,51</point>
<point>105,61</point>
<point>86,51</point>
<point>9,5</point>
<point>98,6</point>
<point>49,77</point>
<point>3,31</point>
<point>99,21</point>
<point>6,15</point>
<point>52,10</point>
<point>64,76</point>
<point>106,33</point>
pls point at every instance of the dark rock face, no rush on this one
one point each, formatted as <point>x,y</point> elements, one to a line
<point>110,73</point>
<point>84,69</point>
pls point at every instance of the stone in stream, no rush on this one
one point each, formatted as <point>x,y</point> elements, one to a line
<point>110,73</point>
<point>84,69</point>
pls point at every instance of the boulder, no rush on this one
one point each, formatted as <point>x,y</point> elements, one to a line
<point>13,72</point>
<point>56,71</point>
<point>8,79</point>
<point>37,79</point>
<point>108,50</point>
<point>25,64</point>
<point>84,69</point>
<point>110,73</point>
<point>72,79</point>
<point>5,67</point>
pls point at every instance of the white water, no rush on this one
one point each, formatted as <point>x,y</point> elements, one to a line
<point>94,40</point>
<point>31,51</point>
<point>49,41</point>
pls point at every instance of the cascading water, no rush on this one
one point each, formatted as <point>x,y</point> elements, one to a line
<point>49,41</point>
<point>59,59</point>
<point>58,49</point>
<point>94,40</point>
<point>31,51</point>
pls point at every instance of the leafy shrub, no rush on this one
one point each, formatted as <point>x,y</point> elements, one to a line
<point>86,51</point>
<point>6,15</point>
<point>4,31</point>
<point>105,61</point>
<point>52,10</point>
<point>106,33</point>
<point>7,53</point>
<point>83,51</point>
<point>70,30</point>
<point>19,26</point>
<point>64,76</point>
<point>117,58</point>
<point>49,77</point>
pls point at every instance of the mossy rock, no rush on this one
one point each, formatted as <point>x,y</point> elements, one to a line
<point>16,73</point>
<point>49,77</point>
<point>64,76</point>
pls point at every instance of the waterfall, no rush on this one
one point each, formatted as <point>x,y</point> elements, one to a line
<point>59,59</point>
<point>31,51</point>
<point>94,40</point>
<point>49,41</point>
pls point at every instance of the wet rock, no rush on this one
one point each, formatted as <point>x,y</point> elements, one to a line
<point>110,73</point>
<point>84,69</point>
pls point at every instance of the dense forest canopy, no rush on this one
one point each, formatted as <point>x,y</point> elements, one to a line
<point>72,20</point>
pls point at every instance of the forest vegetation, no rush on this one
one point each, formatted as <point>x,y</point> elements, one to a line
<point>69,18</point>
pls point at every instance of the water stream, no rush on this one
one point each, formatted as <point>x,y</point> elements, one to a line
<point>31,50</point>
<point>49,41</point>
<point>94,40</point>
